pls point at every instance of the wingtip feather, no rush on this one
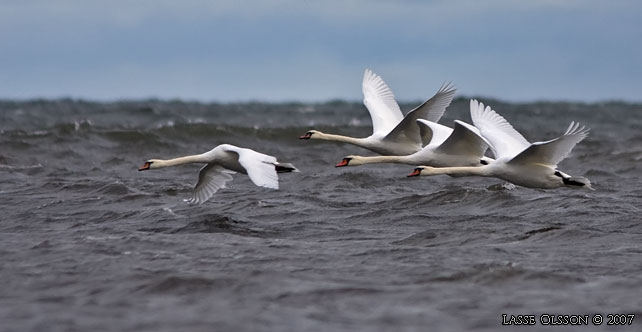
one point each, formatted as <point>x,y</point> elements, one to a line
<point>575,129</point>
<point>447,88</point>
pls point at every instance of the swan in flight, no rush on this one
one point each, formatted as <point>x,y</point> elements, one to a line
<point>392,133</point>
<point>222,161</point>
<point>516,160</point>
<point>461,146</point>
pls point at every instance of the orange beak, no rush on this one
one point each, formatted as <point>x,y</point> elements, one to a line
<point>343,162</point>
<point>146,166</point>
<point>306,136</point>
<point>416,172</point>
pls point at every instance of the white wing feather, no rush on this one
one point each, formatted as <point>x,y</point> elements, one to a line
<point>439,133</point>
<point>381,103</point>
<point>554,151</point>
<point>259,167</point>
<point>211,178</point>
<point>505,141</point>
<point>431,110</point>
<point>464,140</point>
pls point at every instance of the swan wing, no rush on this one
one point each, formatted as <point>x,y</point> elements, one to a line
<point>464,140</point>
<point>554,151</point>
<point>426,134</point>
<point>438,133</point>
<point>431,110</point>
<point>505,141</point>
<point>211,178</point>
<point>259,167</point>
<point>381,103</point>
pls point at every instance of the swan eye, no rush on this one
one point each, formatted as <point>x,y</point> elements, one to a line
<point>483,162</point>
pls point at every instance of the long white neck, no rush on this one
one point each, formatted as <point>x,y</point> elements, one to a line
<point>359,160</point>
<point>339,138</point>
<point>198,158</point>
<point>461,171</point>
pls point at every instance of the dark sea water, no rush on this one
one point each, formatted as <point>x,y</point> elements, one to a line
<point>88,243</point>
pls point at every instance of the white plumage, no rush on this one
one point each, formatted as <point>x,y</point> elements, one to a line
<point>392,133</point>
<point>461,146</point>
<point>223,161</point>
<point>516,160</point>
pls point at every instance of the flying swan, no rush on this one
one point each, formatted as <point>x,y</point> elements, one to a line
<point>516,160</point>
<point>462,146</point>
<point>392,133</point>
<point>222,161</point>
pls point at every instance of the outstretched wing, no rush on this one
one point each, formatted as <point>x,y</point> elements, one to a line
<point>259,167</point>
<point>464,140</point>
<point>553,151</point>
<point>431,110</point>
<point>505,141</point>
<point>438,133</point>
<point>381,103</point>
<point>211,178</point>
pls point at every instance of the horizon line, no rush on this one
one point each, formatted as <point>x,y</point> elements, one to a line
<point>294,101</point>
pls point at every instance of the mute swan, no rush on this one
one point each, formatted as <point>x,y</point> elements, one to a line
<point>518,161</point>
<point>222,161</point>
<point>392,133</point>
<point>462,146</point>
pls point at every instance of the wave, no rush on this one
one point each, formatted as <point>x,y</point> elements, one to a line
<point>46,114</point>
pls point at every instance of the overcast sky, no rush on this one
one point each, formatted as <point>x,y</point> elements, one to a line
<point>235,50</point>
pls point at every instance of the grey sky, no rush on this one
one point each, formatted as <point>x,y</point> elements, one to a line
<point>317,50</point>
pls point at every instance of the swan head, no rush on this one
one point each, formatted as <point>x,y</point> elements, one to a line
<point>347,161</point>
<point>152,163</point>
<point>310,134</point>
<point>421,170</point>
<point>416,172</point>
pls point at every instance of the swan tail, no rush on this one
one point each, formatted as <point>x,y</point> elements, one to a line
<point>578,181</point>
<point>285,168</point>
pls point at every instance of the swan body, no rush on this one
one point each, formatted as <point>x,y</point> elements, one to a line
<point>392,133</point>
<point>223,161</point>
<point>518,161</point>
<point>461,146</point>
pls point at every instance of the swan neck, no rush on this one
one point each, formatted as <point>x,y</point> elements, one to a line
<point>379,160</point>
<point>180,161</point>
<point>339,138</point>
<point>463,171</point>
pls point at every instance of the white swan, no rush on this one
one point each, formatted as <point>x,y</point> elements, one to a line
<point>517,160</point>
<point>392,133</point>
<point>462,146</point>
<point>222,161</point>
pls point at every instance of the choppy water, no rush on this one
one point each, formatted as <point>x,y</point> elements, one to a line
<point>88,243</point>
